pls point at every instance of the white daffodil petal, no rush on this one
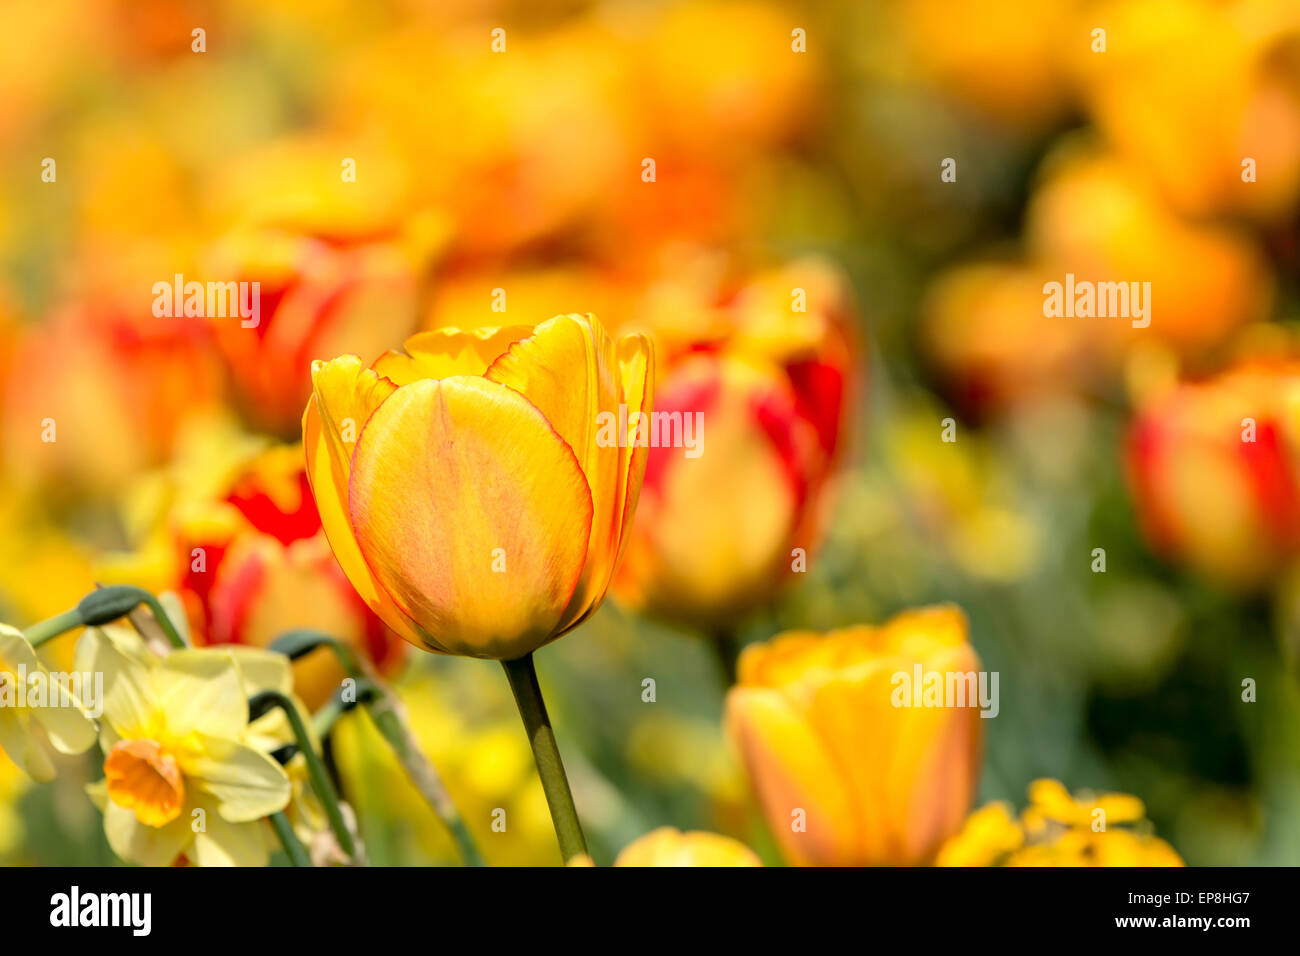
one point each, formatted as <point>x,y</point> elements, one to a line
<point>128,695</point>
<point>201,691</point>
<point>17,741</point>
<point>135,842</point>
<point>223,843</point>
<point>262,670</point>
<point>69,730</point>
<point>248,785</point>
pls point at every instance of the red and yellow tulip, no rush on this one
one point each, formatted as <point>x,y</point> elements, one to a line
<point>1215,471</point>
<point>770,386</point>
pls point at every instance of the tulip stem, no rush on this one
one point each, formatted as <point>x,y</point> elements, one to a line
<point>532,709</point>
<point>726,645</point>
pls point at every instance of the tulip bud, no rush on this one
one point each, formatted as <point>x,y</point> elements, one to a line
<point>848,769</point>
<point>476,509</point>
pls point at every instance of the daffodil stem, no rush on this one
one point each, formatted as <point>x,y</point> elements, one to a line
<point>385,711</point>
<point>293,847</point>
<point>165,622</point>
<point>102,606</point>
<point>388,716</point>
<point>532,709</point>
<point>52,627</point>
<point>320,780</point>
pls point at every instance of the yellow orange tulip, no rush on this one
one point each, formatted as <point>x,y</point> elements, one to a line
<point>465,487</point>
<point>844,772</point>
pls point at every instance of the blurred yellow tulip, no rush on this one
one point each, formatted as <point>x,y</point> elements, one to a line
<point>465,486</point>
<point>669,846</point>
<point>845,773</point>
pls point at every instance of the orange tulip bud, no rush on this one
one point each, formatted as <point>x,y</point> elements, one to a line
<point>465,486</point>
<point>852,764</point>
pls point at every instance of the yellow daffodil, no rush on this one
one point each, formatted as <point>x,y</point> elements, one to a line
<point>28,693</point>
<point>181,777</point>
<point>1058,829</point>
<point>468,488</point>
<point>668,846</point>
<point>848,770</point>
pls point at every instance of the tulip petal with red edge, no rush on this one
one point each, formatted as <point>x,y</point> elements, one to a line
<point>442,353</point>
<point>539,367</point>
<point>445,474</point>
<point>345,390</point>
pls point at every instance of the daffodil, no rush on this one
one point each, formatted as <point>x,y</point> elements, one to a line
<point>182,776</point>
<point>28,694</point>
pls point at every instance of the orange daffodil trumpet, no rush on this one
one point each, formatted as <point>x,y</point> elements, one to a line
<point>844,774</point>
<point>462,485</point>
<point>469,497</point>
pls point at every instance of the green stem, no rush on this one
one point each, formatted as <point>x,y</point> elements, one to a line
<point>52,627</point>
<point>320,780</point>
<point>165,622</point>
<point>532,709</point>
<point>726,647</point>
<point>289,840</point>
<point>386,712</point>
<point>387,716</point>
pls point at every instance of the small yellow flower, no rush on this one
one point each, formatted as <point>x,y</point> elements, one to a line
<point>1058,829</point>
<point>182,777</point>
<point>668,846</point>
<point>56,710</point>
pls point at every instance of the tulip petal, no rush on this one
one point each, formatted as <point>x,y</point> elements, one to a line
<point>569,369</point>
<point>442,353</point>
<point>345,392</point>
<point>636,374</point>
<point>792,770</point>
<point>452,478</point>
